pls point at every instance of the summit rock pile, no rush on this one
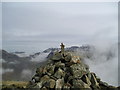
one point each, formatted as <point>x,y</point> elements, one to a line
<point>65,70</point>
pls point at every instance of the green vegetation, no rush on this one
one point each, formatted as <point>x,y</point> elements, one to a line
<point>14,84</point>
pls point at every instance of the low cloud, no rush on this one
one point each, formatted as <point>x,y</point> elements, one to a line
<point>40,58</point>
<point>103,60</point>
<point>7,70</point>
<point>26,74</point>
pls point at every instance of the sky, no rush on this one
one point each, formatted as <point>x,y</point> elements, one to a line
<point>0,25</point>
<point>33,27</point>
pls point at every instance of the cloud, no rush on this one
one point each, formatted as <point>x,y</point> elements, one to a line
<point>15,62</point>
<point>103,60</point>
<point>72,23</point>
<point>26,74</point>
<point>40,58</point>
<point>7,70</point>
<point>2,61</point>
<point>0,17</point>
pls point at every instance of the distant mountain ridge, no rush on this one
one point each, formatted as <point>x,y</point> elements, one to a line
<point>72,48</point>
<point>12,56</point>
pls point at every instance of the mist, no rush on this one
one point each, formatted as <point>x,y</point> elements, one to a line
<point>103,60</point>
<point>26,74</point>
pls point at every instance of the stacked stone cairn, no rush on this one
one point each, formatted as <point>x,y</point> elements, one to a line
<point>64,70</point>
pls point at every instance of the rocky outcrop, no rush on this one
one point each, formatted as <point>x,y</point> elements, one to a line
<point>65,70</point>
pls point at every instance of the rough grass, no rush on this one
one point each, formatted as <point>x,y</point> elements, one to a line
<point>13,84</point>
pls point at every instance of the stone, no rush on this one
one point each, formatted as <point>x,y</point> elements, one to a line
<point>59,73</point>
<point>87,67</point>
<point>37,79</point>
<point>86,79</point>
<point>59,64</point>
<point>31,82</point>
<point>78,70</point>
<point>44,88</point>
<point>50,69</point>
<point>39,85</point>
<point>80,84</point>
<point>103,84</point>
<point>98,78</point>
<point>70,78</point>
<point>43,80</point>
<point>89,75</point>
<point>94,82</point>
<point>59,84</point>
<point>67,57</point>
<point>68,64</point>
<point>44,71</point>
<point>75,59</point>
<point>52,83</point>
<point>67,86</point>
<point>57,56</point>
<point>39,70</point>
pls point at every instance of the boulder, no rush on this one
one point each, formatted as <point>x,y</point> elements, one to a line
<point>86,80</point>
<point>57,56</point>
<point>52,83</point>
<point>67,86</point>
<point>75,59</point>
<point>94,82</point>
<point>59,84</point>
<point>59,73</point>
<point>50,69</point>
<point>68,57</point>
<point>59,64</point>
<point>43,80</point>
<point>78,70</point>
<point>80,84</point>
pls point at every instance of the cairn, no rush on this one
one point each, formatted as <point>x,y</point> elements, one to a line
<point>65,70</point>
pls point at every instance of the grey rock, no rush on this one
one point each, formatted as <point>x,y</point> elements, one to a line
<point>80,84</point>
<point>50,69</point>
<point>86,80</point>
<point>78,70</point>
<point>57,56</point>
<point>59,84</point>
<point>94,82</point>
<point>67,86</point>
<point>59,73</point>
<point>59,64</point>
<point>44,88</point>
<point>39,71</point>
<point>68,57</point>
<point>43,80</point>
<point>52,83</point>
<point>75,59</point>
<point>103,84</point>
<point>37,79</point>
